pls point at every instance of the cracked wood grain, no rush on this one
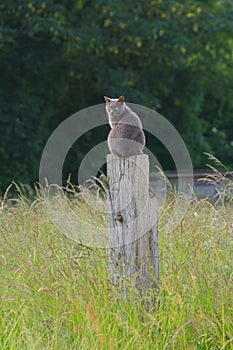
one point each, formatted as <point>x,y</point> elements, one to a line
<point>133,228</point>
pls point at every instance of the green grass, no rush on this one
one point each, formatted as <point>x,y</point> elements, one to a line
<point>55,294</point>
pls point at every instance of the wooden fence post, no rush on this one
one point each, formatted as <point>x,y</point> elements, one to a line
<point>133,227</point>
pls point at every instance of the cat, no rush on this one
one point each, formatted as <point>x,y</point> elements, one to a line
<point>126,137</point>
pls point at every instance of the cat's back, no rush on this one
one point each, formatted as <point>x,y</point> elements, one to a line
<point>126,137</point>
<point>131,118</point>
<point>127,131</point>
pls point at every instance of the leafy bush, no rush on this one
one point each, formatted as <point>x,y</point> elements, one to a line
<point>57,58</point>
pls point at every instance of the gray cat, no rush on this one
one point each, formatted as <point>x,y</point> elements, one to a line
<point>126,137</point>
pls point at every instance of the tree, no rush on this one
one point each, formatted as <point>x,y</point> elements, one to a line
<point>59,57</point>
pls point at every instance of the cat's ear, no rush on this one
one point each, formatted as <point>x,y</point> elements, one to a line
<point>121,99</point>
<point>107,99</point>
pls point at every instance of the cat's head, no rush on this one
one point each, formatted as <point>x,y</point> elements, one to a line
<point>115,106</point>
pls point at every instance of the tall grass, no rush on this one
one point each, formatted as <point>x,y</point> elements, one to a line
<point>55,293</point>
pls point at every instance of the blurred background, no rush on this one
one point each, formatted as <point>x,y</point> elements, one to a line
<point>59,57</point>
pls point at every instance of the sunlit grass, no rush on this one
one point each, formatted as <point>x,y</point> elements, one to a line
<point>55,293</point>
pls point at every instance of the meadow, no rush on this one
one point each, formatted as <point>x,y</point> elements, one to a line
<point>55,293</point>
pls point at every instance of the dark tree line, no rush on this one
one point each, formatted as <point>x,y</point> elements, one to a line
<point>59,57</point>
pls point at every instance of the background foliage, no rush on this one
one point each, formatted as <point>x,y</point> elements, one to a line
<point>59,57</point>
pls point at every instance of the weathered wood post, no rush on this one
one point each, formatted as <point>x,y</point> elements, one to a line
<point>133,228</point>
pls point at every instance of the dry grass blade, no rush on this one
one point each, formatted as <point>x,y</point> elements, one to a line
<point>215,160</point>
